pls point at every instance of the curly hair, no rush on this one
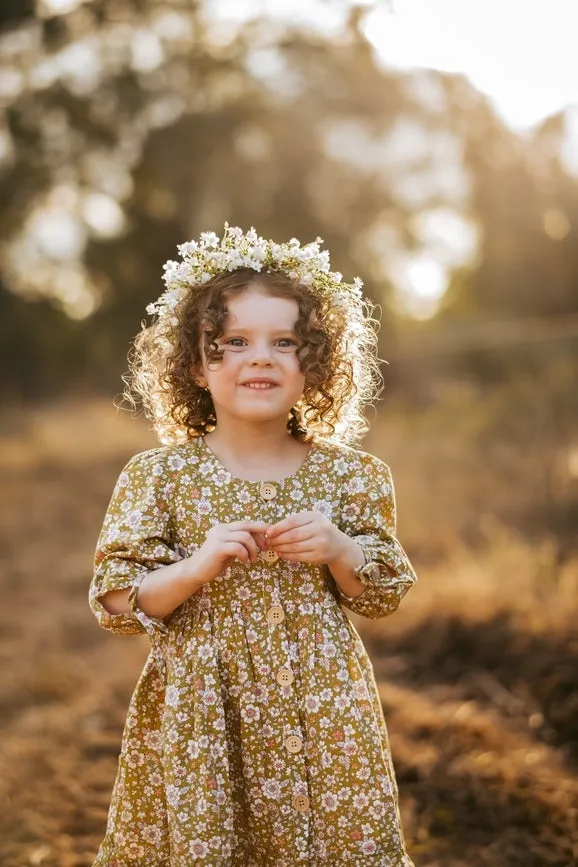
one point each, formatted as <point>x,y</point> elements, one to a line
<point>337,356</point>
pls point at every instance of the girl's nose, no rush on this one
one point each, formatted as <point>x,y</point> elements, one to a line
<point>261,354</point>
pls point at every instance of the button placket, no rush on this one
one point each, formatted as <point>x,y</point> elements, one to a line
<point>275,615</point>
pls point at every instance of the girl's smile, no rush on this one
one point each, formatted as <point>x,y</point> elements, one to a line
<point>260,384</point>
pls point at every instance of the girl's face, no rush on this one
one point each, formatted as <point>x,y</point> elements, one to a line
<point>259,378</point>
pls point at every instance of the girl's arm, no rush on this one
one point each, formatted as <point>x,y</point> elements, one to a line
<point>364,538</point>
<point>161,591</point>
<point>141,575</point>
<point>158,594</point>
<point>369,519</point>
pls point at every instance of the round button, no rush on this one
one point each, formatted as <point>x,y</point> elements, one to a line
<point>293,744</point>
<point>301,803</point>
<point>270,556</point>
<point>275,614</point>
<point>285,677</point>
<point>268,491</point>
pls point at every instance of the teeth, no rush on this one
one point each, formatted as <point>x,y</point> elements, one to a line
<point>259,384</point>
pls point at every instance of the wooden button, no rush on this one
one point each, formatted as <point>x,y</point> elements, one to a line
<point>270,556</point>
<point>301,803</point>
<point>293,744</point>
<point>275,614</point>
<point>285,677</point>
<point>268,491</point>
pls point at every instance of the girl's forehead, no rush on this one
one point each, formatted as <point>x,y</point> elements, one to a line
<point>253,307</point>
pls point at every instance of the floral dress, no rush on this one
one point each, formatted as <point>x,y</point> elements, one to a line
<point>255,735</point>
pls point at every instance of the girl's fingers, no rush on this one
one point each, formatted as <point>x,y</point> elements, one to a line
<point>249,526</point>
<point>291,523</point>
<point>247,540</point>
<point>236,550</point>
<point>295,547</point>
<point>298,535</point>
<point>300,556</point>
<point>261,540</point>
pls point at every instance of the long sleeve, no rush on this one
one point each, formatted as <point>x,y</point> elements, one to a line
<point>368,514</point>
<point>135,539</point>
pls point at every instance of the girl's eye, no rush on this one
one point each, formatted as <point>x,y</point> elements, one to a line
<point>286,343</point>
<point>234,342</point>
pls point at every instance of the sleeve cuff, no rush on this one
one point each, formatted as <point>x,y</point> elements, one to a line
<point>152,625</point>
<point>134,621</point>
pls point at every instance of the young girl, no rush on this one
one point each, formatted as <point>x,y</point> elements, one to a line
<point>255,735</point>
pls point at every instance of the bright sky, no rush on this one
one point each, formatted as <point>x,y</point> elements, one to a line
<point>522,53</point>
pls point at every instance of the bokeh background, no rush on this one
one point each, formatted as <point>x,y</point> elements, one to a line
<point>434,146</point>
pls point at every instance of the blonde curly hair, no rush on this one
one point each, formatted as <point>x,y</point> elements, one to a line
<point>337,356</point>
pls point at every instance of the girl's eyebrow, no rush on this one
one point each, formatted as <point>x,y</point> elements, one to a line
<point>241,330</point>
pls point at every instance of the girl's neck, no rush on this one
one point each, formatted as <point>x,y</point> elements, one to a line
<point>250,452</point>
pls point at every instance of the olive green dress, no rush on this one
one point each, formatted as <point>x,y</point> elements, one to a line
<point>255,735</point>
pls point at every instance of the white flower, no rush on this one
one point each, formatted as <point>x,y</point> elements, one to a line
<point>173,795</point>
<point>176,462</point>
<point>134,518</point>
<point>210,239</point>
<point>172,696</point>
<point>368,847</point>
<point>187,248</point>
<point>329,801</point>
<point>312,703</point>
<point>198,848</point>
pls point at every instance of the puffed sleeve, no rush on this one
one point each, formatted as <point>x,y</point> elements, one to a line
<point>368,514</point>
<point>134,540</point>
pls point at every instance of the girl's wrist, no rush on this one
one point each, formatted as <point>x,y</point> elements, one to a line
<point>349,555</point>
<point>194,572</point>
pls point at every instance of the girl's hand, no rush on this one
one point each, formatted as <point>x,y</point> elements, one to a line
<point>225,543</point>
<point>309,537</point>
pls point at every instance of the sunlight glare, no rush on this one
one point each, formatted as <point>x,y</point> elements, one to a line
<point>522,55</point>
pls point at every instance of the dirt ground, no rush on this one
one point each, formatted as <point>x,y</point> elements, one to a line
<point>478,673</point>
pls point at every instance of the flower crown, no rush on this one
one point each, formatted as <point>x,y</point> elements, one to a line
<point>211,255</point>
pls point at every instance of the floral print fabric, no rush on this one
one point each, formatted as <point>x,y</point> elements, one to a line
<point>255,735</point>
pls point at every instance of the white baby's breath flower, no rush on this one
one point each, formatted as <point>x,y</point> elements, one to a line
<point>323,261</point>
<point>187,248</point>
<point>210,239</point>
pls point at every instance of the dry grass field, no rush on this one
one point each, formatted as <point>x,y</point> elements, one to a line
<point>478,670</point>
